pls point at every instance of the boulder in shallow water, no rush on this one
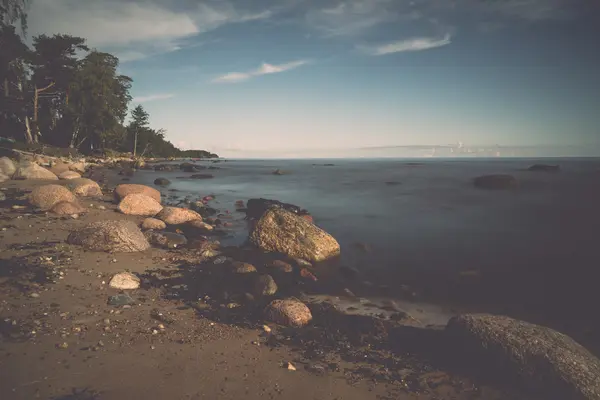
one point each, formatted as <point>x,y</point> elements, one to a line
<point>288,312</point>
<point>545,361</point>
<point>69,175</point>
<point>265,286</point>
<point>257,207</point>
<point>280,231</point>
<point>178,215</point>
<point>496,182</point>
<point>84,187</point>
<point>153,223</point>
<point>139,204</point>
<point>30,170</point>
<point>162,181</point>
<point>45,197</point>
<point>128,188</point>
<point>544,168</point>
<point>67,208</point>
<point>7,166</point>
<point>124,281</point>
<point>112,236</point>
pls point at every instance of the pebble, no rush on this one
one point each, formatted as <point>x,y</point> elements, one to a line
<point>290,366</point>
<point>63,345</point>
<point>34,295</point>
<point>266,328</point>
<point>101,208</point>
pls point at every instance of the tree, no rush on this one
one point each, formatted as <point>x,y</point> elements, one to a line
<point>139,124</point>
<point>12,11</point>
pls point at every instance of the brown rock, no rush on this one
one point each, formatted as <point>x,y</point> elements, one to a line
<point>128,188</point>
<point>200,225</point>
<point>139,204</point>
<point>281,266</point>
<point>177,215</point>
<point>265,286</point>
<point>45,197</point>
<point>84,187</point>
<point>153,223</point>
<point>124,281</point>
<point>69,175</point>
<point>288,312</point>
<point>78,167</point>
<point>59,167</point>
<point>284,232</point>
<point>7,166</point>
<point>112,236</point>
<point>67,208</point>
<point>4,178</point>
<point>239,267</point>
<point>30,170</point>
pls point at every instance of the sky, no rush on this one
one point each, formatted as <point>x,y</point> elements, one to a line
<point>353,78</point>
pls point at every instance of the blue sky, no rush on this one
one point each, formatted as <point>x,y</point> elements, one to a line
<point>302,78</point>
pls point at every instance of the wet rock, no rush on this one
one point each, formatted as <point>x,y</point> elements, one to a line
<point>7,166</point>
<point>177,215</point>
<point>544,168</point>
<point>189,167</point>
<point>495,182</point>
<point>545,360</point>
<point>69,175</point>
<point>202,176</point>
<point>67,208</point>
<point>281,266</point>
<point>139,204</point>
<point>121,299</point>
<point>257,207</point>
<point>283,232</point>
<point>124,189</point>
<point>30,170</point>
<point>242,268</point>
<point>45,197</point>
<point>153,223</point>
<point>265,286</point>
<point>124,281</point>
<point>112,236</point>
<point>200,226</point>
<point>306,274</point>
<point>288,312</point>
<point>162,181</point>
<point>84,187</point>
<point>167,240</point>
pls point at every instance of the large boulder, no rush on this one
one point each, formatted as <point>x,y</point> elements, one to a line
<point>128,188</point>
<point>69,175</point>
<point>139,204</point>
<point>112,236</point>
<point>280,231</point>
<point>7,166</point>
<point>288,312</point>
<point>545,361</point>
<point>177,215</point>
<point>84,187</point>
<point>257,207</point>
<point>495,182</point>
<point>45,197</point>
<point>67,208</point>
<point>153,223</point>
<point>30,170</point>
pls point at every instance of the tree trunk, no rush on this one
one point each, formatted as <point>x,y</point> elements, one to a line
<point>28,137</point>
<point>135,142</point>
<point>36,126</point>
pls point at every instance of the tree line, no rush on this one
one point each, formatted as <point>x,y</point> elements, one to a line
<point>60,92</point>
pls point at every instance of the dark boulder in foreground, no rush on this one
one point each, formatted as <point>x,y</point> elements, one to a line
<point>257,207</point>
<point>112,236</point>
<point>544,167</point>
<point>495,182</point>
<point>544,360</point>
<point>162,181</point>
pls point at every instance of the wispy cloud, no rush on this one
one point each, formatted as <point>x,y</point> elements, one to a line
<point>152,97</point>
<point>412,44</point>
<point>264,69</point>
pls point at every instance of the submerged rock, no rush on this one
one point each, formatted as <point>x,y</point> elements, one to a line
<point>288,312</point>
<point>84,187</point>
<point>45,197</point>
<point>153,223</point>
<point>280,231</point>
<point>257,207</point>
<point>167,240</point>
<point>112,236</point>
<point>162,181</point>
<point>495,182</point>
<point>124,189</point>
<point>265,286</point>
<point>177,215</point>
<point>30,170</point>
<point>242,268</point>
<point>121,299</point>
<point>545,360</point>
<point>139,204</point>
<point>124,281</point>
<point>67,208</point>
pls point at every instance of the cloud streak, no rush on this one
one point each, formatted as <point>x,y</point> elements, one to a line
<point>409,45</point>
<point>264,69</point>
<point>152,97</point>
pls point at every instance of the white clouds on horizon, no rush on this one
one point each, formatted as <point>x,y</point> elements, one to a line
<point>153,97</point>
<point>412,44</point>
<point>264,69</point>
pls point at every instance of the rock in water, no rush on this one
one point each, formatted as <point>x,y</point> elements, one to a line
<point>280,231</point>
<point>495,182</point>
<point>153,223</point>
<point>162,181</point>
<point>67,208</point>
<point>199,225</point>
<point>288,312</point>
<point>30,170</point>
<point>265,286</point>
<point>84,187</point>
<point>545,360</point>
<point>177,215</point>
<point>257,207</point>
<point>112,236</point>
<point>122,299</point>
<point>239,267</point>
<point>124,281</point>
<point>544,167</point>
<point>45,197</point>
<point>139,204</point>
<point>128,188</point>
<point>69,175</point>
<point>7,166</point>
<point>167,240</point>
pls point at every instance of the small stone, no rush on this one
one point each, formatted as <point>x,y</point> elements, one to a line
<point>266,328</point>
<point>121,300</point>
<point>34,295</point>
<point>265,286</point>
<point>220,260</point>
<point>63,345</point>
<point>243,268</point>
<point>101,208</point>
<point>290,366</point>
<point>125,281</point>
<point>106,321</point>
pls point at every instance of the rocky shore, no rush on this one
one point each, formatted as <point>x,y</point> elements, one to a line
<point>109,290</point>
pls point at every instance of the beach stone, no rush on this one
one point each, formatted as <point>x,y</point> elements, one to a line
<point>124,281</point>
<point>281,231</point>
<point>288,312</point>
<point>495,182</point>
<point>112,236</point>
<point>84,187</point>
<point>178,215</point>
<point>67,208</point>
<point>69,175</point>
<point>45,197</point>
<point>265,286</point>
<point>239,267</point>
<point>167,240</point>
<point>7,166</point>
<point>546,361</point>
<point>128,188</point>
<point>4,178</point>
<point>30,170</point>
<point>153,223</point>
<point>139,204</point>
<point>162,181</point>
<point>200,225</point>
<point>544,168</point>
